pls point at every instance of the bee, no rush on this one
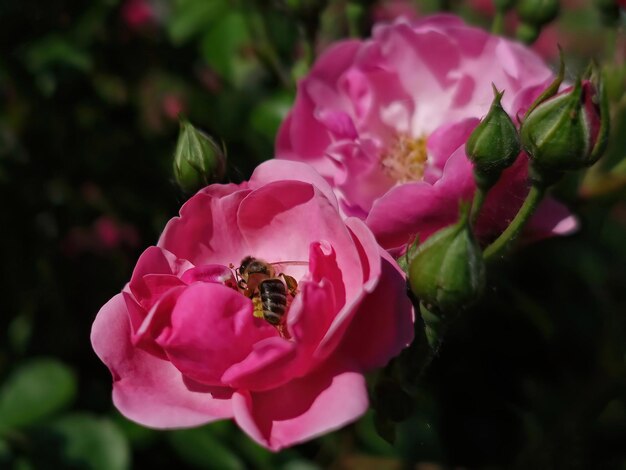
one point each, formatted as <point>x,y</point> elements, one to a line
<point>257,279</point>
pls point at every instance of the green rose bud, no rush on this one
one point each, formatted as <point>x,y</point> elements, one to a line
<point>527,33</point>
<point>198,160</point>
<point>494,145</point>
<point>448,272</point>
<point>567,131</point>
<point>537,12</point>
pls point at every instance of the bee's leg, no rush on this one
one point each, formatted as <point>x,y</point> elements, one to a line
<point>243,287</point>
<point>292,284</point>
<point>258,307</point>
<point>282,331</point>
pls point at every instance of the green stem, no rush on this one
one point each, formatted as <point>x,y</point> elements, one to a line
<point>504,241</point>
<point>353,12</point>
<point>266,52</point>
<point>497,27</point>
<point>477,204</point>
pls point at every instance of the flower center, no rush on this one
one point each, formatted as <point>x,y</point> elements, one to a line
<point>405,160</point>
<point>270,289</point>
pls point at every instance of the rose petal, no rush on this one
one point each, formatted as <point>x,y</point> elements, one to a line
<point>211,328</point>
<point>280,170</point>
<point>551,217</point>
<point>275,361</point>
<point>205,232</point>
<point>279,207</point>
<point>302,409</point>
<point>146,389</point>
<point>394,222</point>
<point>157,271</point>
<point>215,273</point>
<point>383,324</point>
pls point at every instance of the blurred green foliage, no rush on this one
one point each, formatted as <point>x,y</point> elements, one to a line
<point>91,92</point>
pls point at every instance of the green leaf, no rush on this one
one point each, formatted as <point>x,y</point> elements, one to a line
<point>224,48</point>
<point>368,435</point>
<point>199,448</point>
<point>81,441</point>
<point>270,113</point>
<point>191,17</point>
<point>34,391</point>
<point>56,50</point>
<point>5,453</point>
<point>301,464</point>
<point>259,457</point>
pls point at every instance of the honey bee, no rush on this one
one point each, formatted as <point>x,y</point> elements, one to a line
<point>258,280</point>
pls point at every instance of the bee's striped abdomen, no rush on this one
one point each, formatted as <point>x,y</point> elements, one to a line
<point>274,300</point>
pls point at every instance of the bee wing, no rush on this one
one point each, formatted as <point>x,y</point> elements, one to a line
<point>281,264</point>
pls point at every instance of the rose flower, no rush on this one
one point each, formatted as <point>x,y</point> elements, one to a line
<point>385,122</point>
<point>188,341</point>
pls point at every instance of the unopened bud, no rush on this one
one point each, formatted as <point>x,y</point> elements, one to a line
<point>448,271</point>
<point>537,12</point>
<point>567,131</point>
<point>527,33</point>
<point>494,145</point>
<point>198,160</point>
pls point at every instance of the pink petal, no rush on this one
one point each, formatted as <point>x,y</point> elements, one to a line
<point>221,190</point>
<point>146,389</point>
<point>215,273</point>
<point>206,231</point>
<point>155,320</point>
<point>551,218</point>
<point>279,170</point>
<point>275,361</point>
<point>211,328</point>
<point>383,324</point>
<point>409,210</point>
<point>370,256</point>
<point>338,123</point>
<point>157,270</point>
<point>296,214</point>
<point>447,139</point>
<point>302,409</point>
<point>269,365</point>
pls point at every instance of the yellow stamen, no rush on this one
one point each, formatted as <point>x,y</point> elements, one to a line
<point>406,159</point>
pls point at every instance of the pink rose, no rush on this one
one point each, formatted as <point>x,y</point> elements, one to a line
<point>138,13</point>
<point>385,121</point>
<point>182,341</point>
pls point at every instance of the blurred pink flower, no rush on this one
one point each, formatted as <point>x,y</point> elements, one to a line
<point>184,347</point>
<point>138,14</point>
<point>385,121</point>
<point>104,235</point>
<point>173,106</point>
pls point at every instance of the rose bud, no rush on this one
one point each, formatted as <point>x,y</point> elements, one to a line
<point>527,33</point>
<point>567,131</point>
<point>448,271</point>
<point>198,160</point>
<point>494,144</point>
<point>537,12</point>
